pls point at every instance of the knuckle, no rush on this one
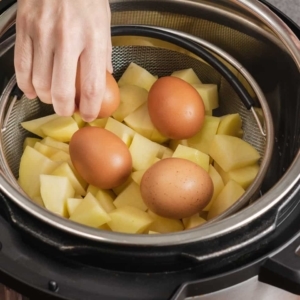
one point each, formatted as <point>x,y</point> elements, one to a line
<point>91,91</point>
<point>41,84</point>
<point>22,64</point>
<point>62,96</point>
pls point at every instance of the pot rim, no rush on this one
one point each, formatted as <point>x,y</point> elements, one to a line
<point>213,230</point>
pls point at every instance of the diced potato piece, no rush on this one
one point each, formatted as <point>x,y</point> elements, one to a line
<point>187,75</point>
<point>140,121</point>
<point>83,183</point>
<point>132,97</point>
<point>143,152</point>
<point>202,140</point>
<point>92,189</point>
<point>89,212</point>
<point>55,144</point>
<point>30,141</point>
<point>243,176</point>
<point>45,149</point>
<point>98,123</point>
<point>174,143</point>
<point>121,130</point>
<point>227,197</point>
<point>65,170</point>
<point>55,190</point>
<point>230,125</point>
<point>136,75</point>
<point>231,152</point>
<point>77,117</point>
<point>119,189</point>
<point>129,219</point>
<point>38,200</point>
<point>32,165</point>
<point>131,196</point>
<point>193,221</point>
<point>209,95</point>
<point>137,176</point>
<point>164,225</point>
<point>106,200</point>
<point>157,137</point>
<point>167,153</point>
<point>72,204</point>
<point>104,227</point>
<point>194,155</point>
<point>35,125</point>
<point>60,156</point>
<point>61,128</point>
<point>218,185</point>
<point>224,175</point>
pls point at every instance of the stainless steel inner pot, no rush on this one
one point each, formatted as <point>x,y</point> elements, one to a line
<point>256,38</point>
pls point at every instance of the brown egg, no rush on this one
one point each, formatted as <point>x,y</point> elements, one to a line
<point>111,98</point>
<point>176,188</point>
<point>175,107</point>
<point>100,157</point>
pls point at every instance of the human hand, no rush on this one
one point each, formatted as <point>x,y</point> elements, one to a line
<point>53,39</point>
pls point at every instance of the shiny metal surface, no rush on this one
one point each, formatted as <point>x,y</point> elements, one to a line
<point>250,289</point>
<point>243,29</point>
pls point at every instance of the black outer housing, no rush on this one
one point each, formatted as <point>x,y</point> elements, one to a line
<point>59,266</point>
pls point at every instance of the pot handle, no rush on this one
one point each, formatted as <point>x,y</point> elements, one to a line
<point>283,269</point>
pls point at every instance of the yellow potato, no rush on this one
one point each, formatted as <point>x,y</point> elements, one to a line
<point>227,197</point>
<point>55,190</point>
<point>231,152</point>
<point>136,75</point>
<point>32,165</point>
<point>61,128</point>
<point>89,212</point>
<point>194,155</point>
<point>131,196</point>
<point>129,219</point>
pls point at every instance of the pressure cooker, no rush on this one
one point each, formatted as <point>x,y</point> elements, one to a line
<point>252,253</point>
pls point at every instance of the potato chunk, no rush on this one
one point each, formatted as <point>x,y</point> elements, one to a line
<point>32,165</point>
<point>89,212</point>
<point>232,153</point>
<point>227,197</point>
<point>34,126</point>
<point>187,75</point>
<point>136,75</point>
<point>129,219</point>
<point>164,225</point>
<point>61,128</point>
<point>131,196</point>
<point>55,190</point>
<point>194,155</point>
<point>132,97</point>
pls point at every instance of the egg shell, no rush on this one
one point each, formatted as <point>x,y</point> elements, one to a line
<point>175,107</point>
<point>100,157</point>
<point>176,188</point>
<point>111,98</point>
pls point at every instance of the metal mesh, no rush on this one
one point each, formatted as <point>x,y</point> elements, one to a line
<point>159,62</point>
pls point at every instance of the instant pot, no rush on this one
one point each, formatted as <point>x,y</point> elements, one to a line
<point>250,254</point>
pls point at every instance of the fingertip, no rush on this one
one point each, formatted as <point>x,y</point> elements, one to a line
<point>86,117</point>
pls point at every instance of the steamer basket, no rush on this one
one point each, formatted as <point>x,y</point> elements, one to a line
<point>144,46</point>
